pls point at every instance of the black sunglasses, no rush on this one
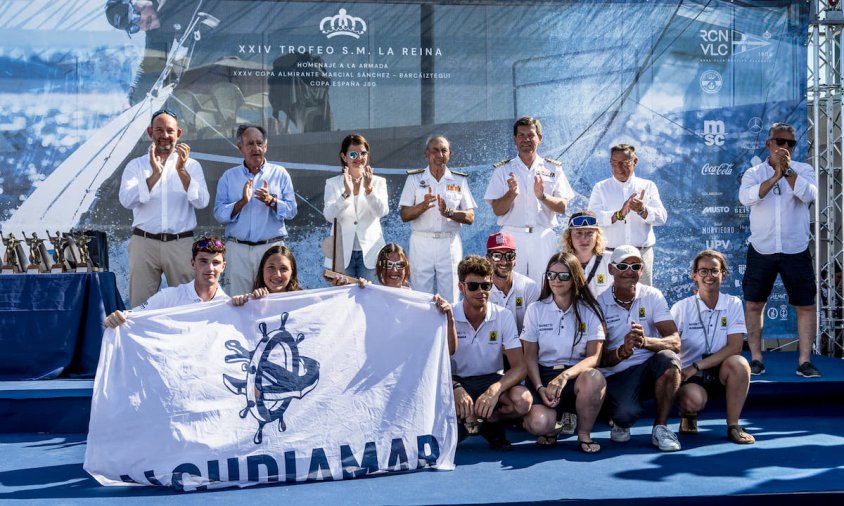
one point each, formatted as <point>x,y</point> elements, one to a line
<point>624,267</point>
<point>496,256</point>
<point>562,276</point>
<point>782,142</point>
<point>474,285</point>
<point>164,111</point>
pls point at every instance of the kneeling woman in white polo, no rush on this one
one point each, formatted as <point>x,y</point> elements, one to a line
<point>563,335</point>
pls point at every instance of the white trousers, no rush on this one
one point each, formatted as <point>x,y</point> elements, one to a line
<point>242,263</point>
<point>435,258</point>
<point>533,250</point>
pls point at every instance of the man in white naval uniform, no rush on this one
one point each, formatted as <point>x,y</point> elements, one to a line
<point>527,193</point>
<point>436,201</point>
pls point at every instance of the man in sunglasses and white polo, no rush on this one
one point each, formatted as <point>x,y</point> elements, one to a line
<point>163,188</point>
<point>640,357</point>
<point>628,207</point>
<point>510,289</point>
<point>778,192</point>
<point>486,333</point>
<point>208,261</point>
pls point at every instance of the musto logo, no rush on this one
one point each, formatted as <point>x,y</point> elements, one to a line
<point>275,375</point>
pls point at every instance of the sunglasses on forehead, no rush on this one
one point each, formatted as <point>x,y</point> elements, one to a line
<point>624,267</point>
<point>474,285</point>
<point>354,154</point>
<point>583,221</point>
<point>782,142</point>
<point>206,244</point>
<point>164,111</point>
<point>497,256</point>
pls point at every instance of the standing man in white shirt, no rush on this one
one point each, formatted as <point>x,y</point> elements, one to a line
<point>509,289</point>
<point>778,192</point>
<point>527,193</point>
<point>163,189</point>
<point>628,207</point>
<point>436,201</point>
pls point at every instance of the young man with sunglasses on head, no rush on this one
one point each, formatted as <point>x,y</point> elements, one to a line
<point>510,289</point>
<point>163,189</point>
<point>778,192</point>
<point>640,357</point>
<point>486,333</point>
<point>628,207</point>
<point>208,260</point>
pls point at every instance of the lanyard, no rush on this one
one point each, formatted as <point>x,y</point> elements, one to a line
<point>594,269</point>
<point>705,327</point>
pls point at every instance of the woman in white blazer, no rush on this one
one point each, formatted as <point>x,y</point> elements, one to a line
<point>358,200</point>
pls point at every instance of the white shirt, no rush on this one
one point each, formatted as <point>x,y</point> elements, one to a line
<point>779,223</point>
<point>454,188</point>
<point>482,351</point>
<point>648,308</point>
<point>561,341</point>
<point>181,295</point>
<point>727,318</point>
<point>167,208</point>
<point>609,195</point>
<point>522,293</point>
<point>527,210</point>
<point>602,279</point>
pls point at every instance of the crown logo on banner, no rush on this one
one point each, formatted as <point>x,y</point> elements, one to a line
<point>342,24</point>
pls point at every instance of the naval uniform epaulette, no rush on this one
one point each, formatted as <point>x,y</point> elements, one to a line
<point>555,162</point>
<point>502,162</point>
<point>464,174</point>
<point>415,171</point>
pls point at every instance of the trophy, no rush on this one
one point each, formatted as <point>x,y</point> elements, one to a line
<point>14,261</point>
<point>58,252</point>
<point>83,263</point>
<point>39,259</point>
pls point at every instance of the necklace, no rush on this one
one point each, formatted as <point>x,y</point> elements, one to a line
<point>356,180</point>
<point>622,302</point>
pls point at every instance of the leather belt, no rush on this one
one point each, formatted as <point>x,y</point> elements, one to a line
<point>256,243</point>
<point>524,230</point>
<point>435,235</point>
<point>161,237</point>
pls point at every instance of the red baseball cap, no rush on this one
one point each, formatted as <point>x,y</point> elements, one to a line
<point>500,240</point>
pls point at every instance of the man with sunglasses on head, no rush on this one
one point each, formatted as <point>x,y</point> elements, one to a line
<point>163,189</point>
<point>640,357</point>
<point>510,289</point>
<point>486,333</point>
<point>628,207</point>
<point>526,194</point>
<point>778,192</point>
<point>436,201</point>
<point>253,201</point>
<point>208,260</point>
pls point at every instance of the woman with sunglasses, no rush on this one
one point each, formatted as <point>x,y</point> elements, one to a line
<point>584,239</point>
<point>355,201</point>
<point>712,329</point>
<point>562,337</point>
<point>277,273</point>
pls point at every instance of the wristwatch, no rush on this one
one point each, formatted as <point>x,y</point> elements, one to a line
<point>789,172</point>
<point>345,195</point>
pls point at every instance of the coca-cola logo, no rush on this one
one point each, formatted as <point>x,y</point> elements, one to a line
<point>724,169</point>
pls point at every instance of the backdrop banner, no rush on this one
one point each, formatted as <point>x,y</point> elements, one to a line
<point>306,386</point>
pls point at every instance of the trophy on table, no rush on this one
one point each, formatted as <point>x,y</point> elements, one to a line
<point>39,259</point>
<point>58,252</point>
<point>83,260</point>
<point>14,260</point>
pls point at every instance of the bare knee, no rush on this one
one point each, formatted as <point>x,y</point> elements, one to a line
<point>540,420</point>
<point>691,399</point>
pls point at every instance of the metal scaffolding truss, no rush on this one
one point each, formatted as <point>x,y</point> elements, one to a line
<point>826,144</point>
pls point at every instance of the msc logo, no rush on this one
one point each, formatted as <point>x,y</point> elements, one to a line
<point>342,24</point>
<point>715,210</point>
<point>275,375</point>
<point>714,133</point>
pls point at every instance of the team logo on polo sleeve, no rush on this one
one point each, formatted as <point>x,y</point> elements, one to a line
<point>493,336</point>
<point>275,375</point>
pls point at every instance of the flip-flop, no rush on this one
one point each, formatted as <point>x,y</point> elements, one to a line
<point>548,441</point>
<point>587,446</point>
<point>739,436</point>
<point>688,424</point>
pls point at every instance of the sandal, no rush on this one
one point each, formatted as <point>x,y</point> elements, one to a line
<point>688,424</point>
<point>589,446</point>
<point>739,436</point>
<point>547,441</point>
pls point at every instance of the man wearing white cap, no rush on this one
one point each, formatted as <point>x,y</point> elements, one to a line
<point>640,355</point>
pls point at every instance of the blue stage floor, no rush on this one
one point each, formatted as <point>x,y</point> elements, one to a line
<point>800,448</point>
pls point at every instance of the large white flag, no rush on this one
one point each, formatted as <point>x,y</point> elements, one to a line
<point>314,385</point>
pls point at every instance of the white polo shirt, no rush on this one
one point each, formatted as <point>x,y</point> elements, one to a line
<point>560,339</point>
<point>648,308</point>
<point>602,279</point>
<point>454,188</point>
<point>699,324</point>
<point>523,292</point>
<point>527,210</point>
<point>609,195</point>
<point>779,223</point>
<point>181,295</point>
<point>481,351</point>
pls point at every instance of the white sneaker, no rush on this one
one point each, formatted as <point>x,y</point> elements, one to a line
<point>664,439</point>
<point>619,434</point>
<point>567,424</point>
